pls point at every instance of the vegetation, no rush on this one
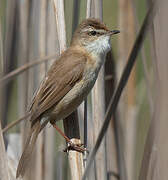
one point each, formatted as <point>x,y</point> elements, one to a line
<point>32,35</point>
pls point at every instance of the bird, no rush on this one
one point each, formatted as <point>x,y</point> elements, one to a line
<point>68,81</point>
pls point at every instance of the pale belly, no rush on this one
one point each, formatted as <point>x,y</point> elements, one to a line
<point>73,98</point>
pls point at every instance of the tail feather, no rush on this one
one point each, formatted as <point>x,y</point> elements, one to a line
<point>28,149</point>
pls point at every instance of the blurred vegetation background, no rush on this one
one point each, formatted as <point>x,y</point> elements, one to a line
<point>28,31</point>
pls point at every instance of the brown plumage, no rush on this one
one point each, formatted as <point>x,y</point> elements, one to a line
<point>60,79</point>
<point>68,81</point>
<point>28,149</point>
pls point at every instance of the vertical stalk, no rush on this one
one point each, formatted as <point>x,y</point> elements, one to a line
<point>60,23</point>
<point>1,50</point>
<point>75,158</point>
<point>51,47</point>
<point>88,8</point>
<point>9,55</point>
<point>90,121</point>
<point>127,108</point>
<point>4,169</point>
<point>144,62</point>
<point>155,161</point>
<point>98,107</point>
<point>22,54</point>
<point>41,69</point>
<point>112,136</point>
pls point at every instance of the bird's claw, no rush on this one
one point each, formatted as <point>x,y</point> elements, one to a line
<point>75,147</point>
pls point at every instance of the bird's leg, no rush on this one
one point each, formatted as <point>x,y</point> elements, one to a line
<point>71,146</point>
<point>62,134</point>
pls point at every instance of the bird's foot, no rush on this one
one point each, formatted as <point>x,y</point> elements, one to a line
<point>75,147</point>
<point>73,144</point>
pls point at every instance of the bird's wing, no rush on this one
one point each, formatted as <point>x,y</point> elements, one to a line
<point>60,79</point>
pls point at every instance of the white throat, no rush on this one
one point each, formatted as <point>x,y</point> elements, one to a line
<point>99,47</point>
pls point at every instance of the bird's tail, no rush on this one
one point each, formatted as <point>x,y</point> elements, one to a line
<point>28,149</point>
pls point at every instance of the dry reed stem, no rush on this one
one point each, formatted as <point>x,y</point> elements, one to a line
<point>41,69</point>
<point>14,123</point>
<point>25,67</point>
<point>76,161</point>
<point>71,128</point>
<point>60,21</point>
<point>144,61</point>
<point>9,51</point>
<point>122,83</point>
<point>112,137</point>
<point>88,8</point>
<point>1,51</point>
<point>22,58</point>
<point>98,106</point>
<point>128,107</point>
<point>51,47</point>
<point>155,162</point>
<point>4,169</point>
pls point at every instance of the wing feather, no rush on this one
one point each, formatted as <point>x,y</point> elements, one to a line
<point>60,79</point>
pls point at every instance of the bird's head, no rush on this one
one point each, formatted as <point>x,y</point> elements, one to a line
<point>94,36</point>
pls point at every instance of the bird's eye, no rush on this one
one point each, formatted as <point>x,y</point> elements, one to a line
<point>92,33</point>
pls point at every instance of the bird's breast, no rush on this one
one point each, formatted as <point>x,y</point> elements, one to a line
<point>74,97</point>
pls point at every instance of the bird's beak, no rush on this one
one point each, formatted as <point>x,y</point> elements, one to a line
<point>114,32</point>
